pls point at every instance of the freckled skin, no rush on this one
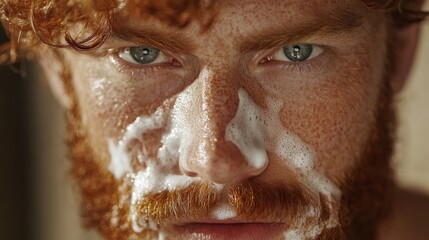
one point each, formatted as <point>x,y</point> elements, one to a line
<point>316,109</point>
<point>329,104</point>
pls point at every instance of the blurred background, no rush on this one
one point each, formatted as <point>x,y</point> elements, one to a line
<point>37,197</point>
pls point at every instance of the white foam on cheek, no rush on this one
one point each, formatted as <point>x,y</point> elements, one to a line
<point>311,231</point>
<point>120,160</point>
<point>177,143</point>
<point>119,163</point>
<point>294,235</point>
<point>160,173</point>
<point>254,131</point>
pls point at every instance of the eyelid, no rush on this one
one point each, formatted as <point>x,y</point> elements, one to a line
<point>125,55</point>
<point>279,54</point>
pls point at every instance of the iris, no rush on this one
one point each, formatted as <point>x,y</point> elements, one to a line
<point>298,52</point>
<point>144,55</point>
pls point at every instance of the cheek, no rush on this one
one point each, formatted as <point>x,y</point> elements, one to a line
<point>330,127</point>
<point>336,116</point>
<point>110,100</point>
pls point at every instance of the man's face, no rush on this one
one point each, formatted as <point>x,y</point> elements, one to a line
<point>257,128</point>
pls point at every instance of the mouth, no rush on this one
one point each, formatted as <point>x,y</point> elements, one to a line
<point>229,230</point>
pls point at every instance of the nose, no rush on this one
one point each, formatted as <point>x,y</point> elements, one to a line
<point>213,156</point>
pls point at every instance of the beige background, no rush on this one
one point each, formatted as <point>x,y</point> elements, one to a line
<point>413,147</point>
<point>57,204</point>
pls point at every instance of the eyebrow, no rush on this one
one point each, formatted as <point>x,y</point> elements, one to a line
<point>172,40</point>
<point>334,23</point>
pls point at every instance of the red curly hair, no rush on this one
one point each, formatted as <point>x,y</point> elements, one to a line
<point>48,21</point>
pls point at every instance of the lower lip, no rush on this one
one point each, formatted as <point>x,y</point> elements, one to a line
<point>237,231</point>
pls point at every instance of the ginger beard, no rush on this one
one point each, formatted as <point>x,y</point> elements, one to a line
<point>366,191</point>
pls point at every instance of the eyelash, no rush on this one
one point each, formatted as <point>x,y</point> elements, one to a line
<point>306,66</point>
<point>301,67</point>
<point>140,69</point>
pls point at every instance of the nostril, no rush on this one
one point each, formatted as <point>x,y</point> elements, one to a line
<point>220,162</point>
<point>187,172</point>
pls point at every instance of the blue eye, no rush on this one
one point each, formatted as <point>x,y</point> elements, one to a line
<point>298,52</point>
<point>143,55</point>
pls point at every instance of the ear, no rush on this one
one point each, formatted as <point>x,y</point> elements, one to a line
<point>53,72</point>
<point>404,47</point>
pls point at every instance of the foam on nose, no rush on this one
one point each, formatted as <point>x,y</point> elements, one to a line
<point>246,131</point>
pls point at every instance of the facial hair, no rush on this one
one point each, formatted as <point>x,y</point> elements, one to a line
<point>366,191</point>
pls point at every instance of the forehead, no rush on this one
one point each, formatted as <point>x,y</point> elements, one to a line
<point>245,25</point>
<point>245,15</point>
